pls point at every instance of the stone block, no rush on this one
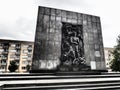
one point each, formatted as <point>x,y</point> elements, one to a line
<point>99,26</point>
<point>94,25</point>
<point>80,16</point>
<point>69,20</point>
<point>58,12</point>
<point>89,25</point>
<point>84,17</point>
<point>52,30</point>
<point>40,20</point>
<point>41,10</point>
<point>52,18</point>
<point>58,18</point>
<point>98,19</point>
<point>69,15</point>
<point>52,24</point>
<point>53,11</point>
<point>63,14</point>
<point>97,47</point>
<point>39,29</point>
<point>64,19</point>
<point>89,18</point>
<point>74,15</point>
<point>47,11</point>
<point>98,65</point>
<point>92,57</point>
<point>97,59</point>
<point>57,37</point>
<point>74,21</point>
<point>94,19</point>
<point>58,25</point>
<point>97,54</point>
<point>103,65</point>
<point>51,36</point>
<point>85,22</point>
<point>80,22</point>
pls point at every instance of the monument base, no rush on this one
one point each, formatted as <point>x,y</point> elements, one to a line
<point>43,71</point>
<point>81,72</point>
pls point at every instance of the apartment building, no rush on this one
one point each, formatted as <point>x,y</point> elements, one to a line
<point>20,51</point>
<point>108,57</point>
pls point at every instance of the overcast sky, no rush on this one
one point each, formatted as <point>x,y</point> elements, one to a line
<point>18,17</point>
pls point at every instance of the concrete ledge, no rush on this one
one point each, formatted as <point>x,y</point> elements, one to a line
<point>53,82</point>
<point>81,72</point>
<point>43,71</point>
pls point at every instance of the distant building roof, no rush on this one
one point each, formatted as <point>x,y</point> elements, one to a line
<point>10,40</point>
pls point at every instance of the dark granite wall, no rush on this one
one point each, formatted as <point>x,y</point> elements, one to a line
<point>47,48</point>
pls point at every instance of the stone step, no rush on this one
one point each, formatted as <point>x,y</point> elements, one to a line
<point>83,72</point>
<point>56,82</point>
<point>25,74</point>
<point>81,86</point>
<point>44,78</point>
<point>61,83</point>
<point>41,77</point>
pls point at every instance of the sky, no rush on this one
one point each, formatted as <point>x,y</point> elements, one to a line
<point>18,17</point>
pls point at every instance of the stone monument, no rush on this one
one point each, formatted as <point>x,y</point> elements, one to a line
<point>67,41</point>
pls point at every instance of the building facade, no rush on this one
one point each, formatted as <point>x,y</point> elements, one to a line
<point>67,39</point>
<point>108,57</point>
<point>20,51</point>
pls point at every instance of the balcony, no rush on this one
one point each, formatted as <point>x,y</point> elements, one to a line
<point>18,47</point>
<point>29,59</point>
<point>17,61</point>
<point>5,52</point>
<point>29,53</point>
<point>17,53</point>
<point>5,47</point>
<point>1,47</point>
<point>4,58</point>
<point>29,48</point>
<point>3,64</point>
<point>17,58</point>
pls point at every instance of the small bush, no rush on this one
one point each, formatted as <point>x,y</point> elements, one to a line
<point>13,66</point>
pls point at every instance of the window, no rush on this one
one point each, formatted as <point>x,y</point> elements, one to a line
<point>12,50</point>
<point>25,46</point>
<point>17,45</point>
<point>3,61</point>
<point>23,68</point>
<point>29,56</point>
<point>1,44</point>
<point>2,67</point>
<point>12,45</point>
<point>24,57</point>
<point>24,62</point>
<point>25,51</point>
<point>30,45</point>
<point>12,56</point>
<point>1,50</point>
